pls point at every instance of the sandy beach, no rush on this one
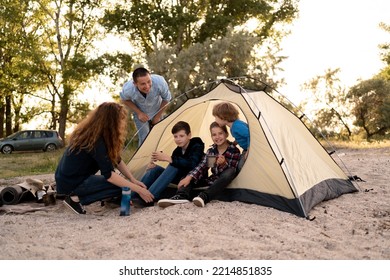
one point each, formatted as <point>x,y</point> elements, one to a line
<point>354,226</point>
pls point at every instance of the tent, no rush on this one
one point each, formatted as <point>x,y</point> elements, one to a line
<point>287,168</point>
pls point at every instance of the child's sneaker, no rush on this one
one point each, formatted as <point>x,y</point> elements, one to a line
<point>74,206</point>
<point>200,200</point>
<point>176,199</point>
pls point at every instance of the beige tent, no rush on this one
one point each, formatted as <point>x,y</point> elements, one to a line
<point>286,168</point>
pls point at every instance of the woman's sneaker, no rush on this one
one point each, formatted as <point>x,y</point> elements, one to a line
<point>74,206</point>
<point>176,199</point>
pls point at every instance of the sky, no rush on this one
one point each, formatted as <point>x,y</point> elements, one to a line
<point>332,34</point>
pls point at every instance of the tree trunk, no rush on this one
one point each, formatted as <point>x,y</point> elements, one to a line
<point>8,116</point>
<point>62,118</point>
<point>64,101</point>
<point>2,112</point>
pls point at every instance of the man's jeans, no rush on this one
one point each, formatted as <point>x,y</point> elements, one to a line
<point>96,188</point>
<point>143,129</point>
<point>158,178</point>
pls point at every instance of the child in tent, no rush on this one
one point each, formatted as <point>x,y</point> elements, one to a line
<point>225,156</point>
<point>226,114</point>
<point>184,158</point>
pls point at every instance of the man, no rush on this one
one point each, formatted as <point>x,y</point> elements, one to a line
<point>147,96</point>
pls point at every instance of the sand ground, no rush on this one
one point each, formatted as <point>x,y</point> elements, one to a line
<point>352,227</point>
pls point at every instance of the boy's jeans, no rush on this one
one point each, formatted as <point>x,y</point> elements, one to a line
<point>158,178</point>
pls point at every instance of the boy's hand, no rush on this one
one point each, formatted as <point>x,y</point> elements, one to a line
<point>151,165</point>
<point>157,156</point>
<point>161,157</point>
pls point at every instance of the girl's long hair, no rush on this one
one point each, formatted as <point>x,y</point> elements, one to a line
<point>108,121</point>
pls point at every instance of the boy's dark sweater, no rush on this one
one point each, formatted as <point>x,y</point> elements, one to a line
<point>189,160</point>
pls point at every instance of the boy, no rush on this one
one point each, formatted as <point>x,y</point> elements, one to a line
<point>226,114</point>
<point>184,158</point>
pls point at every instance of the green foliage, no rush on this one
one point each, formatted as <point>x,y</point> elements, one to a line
<point>48,56</point>
<point>385,54</point>
<point>371,100</point>
<point>18,75</point>
<point>117,65</point>
<point>68,29</point>
<point>330,109</point>
<point>180,24</point>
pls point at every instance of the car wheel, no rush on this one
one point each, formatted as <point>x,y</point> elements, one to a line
<point>51,147</point>
<point>6,149</point>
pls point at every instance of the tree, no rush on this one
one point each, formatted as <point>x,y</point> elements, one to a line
<point>385,53</point>
<point>371,100</point>
<point>68,28</point>
<point>331,110</point>
<point>229,56</point>
<point>191,42</point>
<point>18,77</point>
<point>183,23</point>
<point>48,57</point>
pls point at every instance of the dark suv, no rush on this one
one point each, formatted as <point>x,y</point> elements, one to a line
<point>28,140</point>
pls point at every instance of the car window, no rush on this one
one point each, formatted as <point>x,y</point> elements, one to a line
<point>37,134</point>
<point>25,135</point>
<point>49,133</point>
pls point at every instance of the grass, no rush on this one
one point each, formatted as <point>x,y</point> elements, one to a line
<point>29,163</point>
<point>35,163</point>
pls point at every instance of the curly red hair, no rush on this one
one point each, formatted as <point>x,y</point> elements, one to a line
<point>108,121</point>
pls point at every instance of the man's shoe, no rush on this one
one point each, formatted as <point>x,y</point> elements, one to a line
<point>176,199</point>
<point>74,206</point>
<point>200,200</point>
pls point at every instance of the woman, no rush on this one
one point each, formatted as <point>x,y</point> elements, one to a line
<point>95,145</point>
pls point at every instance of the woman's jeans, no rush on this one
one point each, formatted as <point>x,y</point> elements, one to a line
<point>94,188</point>
<point>158,178</point>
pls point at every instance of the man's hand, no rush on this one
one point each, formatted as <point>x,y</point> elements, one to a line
<point>156,119</point>
<point>143,117</point>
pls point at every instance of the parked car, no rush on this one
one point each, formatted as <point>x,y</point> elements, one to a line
<point>28,140</point>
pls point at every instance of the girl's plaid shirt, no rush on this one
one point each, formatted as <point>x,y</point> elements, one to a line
<point>232,156</point>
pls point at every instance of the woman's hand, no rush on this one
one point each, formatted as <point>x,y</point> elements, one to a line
<point>139,183</point>
<point>146,195</point>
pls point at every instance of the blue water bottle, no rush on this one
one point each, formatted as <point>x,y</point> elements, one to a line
<point>125,202</point>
